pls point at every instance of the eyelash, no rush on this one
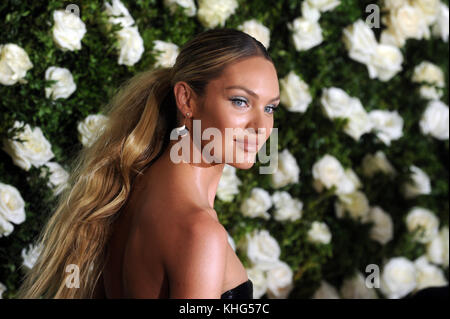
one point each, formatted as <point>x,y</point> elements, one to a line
<point>273,108</point>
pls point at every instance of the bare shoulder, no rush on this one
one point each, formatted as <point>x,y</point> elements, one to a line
<point>196,261</point>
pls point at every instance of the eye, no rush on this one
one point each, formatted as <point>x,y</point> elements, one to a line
<point>238,102</point>
<point>270,108</point>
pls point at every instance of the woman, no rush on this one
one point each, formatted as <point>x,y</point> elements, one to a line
<point>136,223</point>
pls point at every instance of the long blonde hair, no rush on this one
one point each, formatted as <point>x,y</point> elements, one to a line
<point>140,117</point>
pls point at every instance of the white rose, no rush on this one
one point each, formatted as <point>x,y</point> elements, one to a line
<point>435,121</point>
<point>382,230</point>
<point>359,122</point>
<point>310,13</point>
<point>355,287</point>
<point>388,125</point>
<point>261,248</point>
<point>188,6</point>
<point>428,275</point>
<point>64,86</point>
<point>256,30</point>
<point>257,204</point>
<point>323,5</point>
<point>438,248</point>
<point>14,64</point>
<point>6,228</point>
<point>328,172</point>
<point>229,184</point>
<point>90,128</point>
<point>385,63</point>
<point>398,278</point>
<point>258,277</point>
<point>68,30</point>
<point>420,184</point>
<point>371,164</point>
<point>336,102</point>
<point>2,290</point>
<point>423,220</point>
<point>432,74</point>
<point>166,53</point>
<point>212,13</point>
<point>350,181</point>
<point>58,177</point>
<point>360,41</point>
<point>286,207</point>
<point>131,45</point>
<point>287,171</point>
<point>441,27</point>
<point>118,9</point>
<point>294,94</point>
<point>30,255</point>
<point>388,37</point>
<point>12,206</point>
<point>130,42</point>
<point>429,8</point>
<point>319,233</point>
<point>407,22</point>
<point>34,150</point>
<point>393,4</point>
<point>326,291</point>
<point>356,204</point>
<point>306,33</point>
<point>279,281</point>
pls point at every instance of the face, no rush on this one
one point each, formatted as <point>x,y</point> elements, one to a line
<point>241,105</point>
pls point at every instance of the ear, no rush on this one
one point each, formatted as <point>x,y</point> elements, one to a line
<point>185,98</point>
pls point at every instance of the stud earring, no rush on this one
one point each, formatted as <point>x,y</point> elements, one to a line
<point>183,130</point>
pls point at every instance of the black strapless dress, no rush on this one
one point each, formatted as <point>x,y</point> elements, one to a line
<point>242,291</point>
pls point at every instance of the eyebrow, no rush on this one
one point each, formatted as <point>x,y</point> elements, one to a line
<point>249,91</point>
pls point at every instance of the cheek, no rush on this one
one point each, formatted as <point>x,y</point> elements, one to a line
<point>217,114</point>
<point>222,115</point>
<point>231,118</point>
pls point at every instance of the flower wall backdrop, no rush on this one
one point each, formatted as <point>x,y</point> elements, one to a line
<point>362,177</point>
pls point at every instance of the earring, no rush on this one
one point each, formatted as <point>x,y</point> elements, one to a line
<point>183,130</point>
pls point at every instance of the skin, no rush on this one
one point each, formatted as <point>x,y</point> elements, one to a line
<point>169,233</point>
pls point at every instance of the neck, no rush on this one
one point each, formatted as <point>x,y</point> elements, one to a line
<point>199,179</point>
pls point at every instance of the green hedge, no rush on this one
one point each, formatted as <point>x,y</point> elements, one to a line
<point>307,135</point>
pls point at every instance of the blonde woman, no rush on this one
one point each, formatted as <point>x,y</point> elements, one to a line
<point>135,223</point>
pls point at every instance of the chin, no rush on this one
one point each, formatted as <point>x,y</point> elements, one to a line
<point>242,165</point>
<point>245,162</point>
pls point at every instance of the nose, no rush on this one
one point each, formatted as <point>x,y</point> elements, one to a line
<point>260,120</point>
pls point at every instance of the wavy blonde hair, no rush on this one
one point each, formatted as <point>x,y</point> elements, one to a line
<point>140,117</point>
